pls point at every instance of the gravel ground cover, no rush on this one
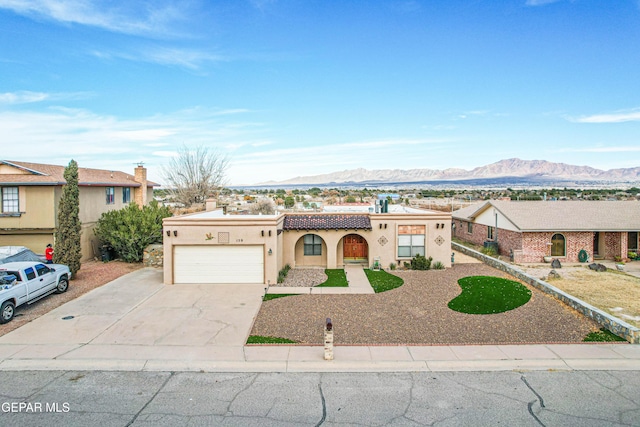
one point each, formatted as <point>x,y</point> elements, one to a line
<point>304,277</point>
<point>417,313</point>
<point>91,275</point>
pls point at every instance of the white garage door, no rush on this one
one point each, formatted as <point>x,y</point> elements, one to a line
<point>218,264</point>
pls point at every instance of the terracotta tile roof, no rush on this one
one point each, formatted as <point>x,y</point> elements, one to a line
<point>562,215</point>
<point>327,222</point>
<point>42,174</point>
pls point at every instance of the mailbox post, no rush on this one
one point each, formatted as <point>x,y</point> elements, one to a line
<point>328,340</point>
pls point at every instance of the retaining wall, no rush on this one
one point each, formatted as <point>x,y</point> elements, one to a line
<point>153,256</point>
<point>613,324</point>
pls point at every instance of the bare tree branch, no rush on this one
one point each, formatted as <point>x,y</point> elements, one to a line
<point>195,174</point>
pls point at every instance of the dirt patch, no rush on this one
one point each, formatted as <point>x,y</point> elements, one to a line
<point>417,313</point>
<point>613,292</point>
<point>92,274</point>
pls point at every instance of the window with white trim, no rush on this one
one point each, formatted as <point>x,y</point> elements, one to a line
<point>110,193</point>
<point>411,240</point>
<point>126,194</point>
<point>10,200</point>
<point>490,232</point>
<point>470,227</point>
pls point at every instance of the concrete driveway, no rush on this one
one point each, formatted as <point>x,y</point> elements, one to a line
<point>137,317</point>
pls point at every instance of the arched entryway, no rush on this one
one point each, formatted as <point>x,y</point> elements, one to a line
<point>311,250</point>
<point>355,249</point>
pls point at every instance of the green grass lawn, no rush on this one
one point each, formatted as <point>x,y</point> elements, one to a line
<point>488,295</point>
<point>602,335</point>
<point>382,281</point>
<point>269,297</point>
<point>259,339</point>
<point>335,278</point>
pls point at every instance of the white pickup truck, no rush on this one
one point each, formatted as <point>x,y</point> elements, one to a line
<point>27,282</point>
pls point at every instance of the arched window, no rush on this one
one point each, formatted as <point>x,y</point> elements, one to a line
<point>558,246</point>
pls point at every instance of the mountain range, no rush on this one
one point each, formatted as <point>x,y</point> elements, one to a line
<point>516,170</point>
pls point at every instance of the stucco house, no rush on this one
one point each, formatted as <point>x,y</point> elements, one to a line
<point>210,247</point>
<point>31,193</point>
<point>530,230</point>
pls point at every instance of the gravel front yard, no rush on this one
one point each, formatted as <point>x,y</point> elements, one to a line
<point>417,313</point>
<point>92,274</point>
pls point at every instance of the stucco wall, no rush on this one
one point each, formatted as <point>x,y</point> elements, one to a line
<point>382,241</point>
<point>241,231</point>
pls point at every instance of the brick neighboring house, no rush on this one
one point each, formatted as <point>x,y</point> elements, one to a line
<point>31,192</point>
<point>527,231</point>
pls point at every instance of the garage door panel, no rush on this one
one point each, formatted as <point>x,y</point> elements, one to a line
<point>218,264</point>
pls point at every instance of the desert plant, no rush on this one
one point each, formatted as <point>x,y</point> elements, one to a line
<point>489,250</point>
<point>419,262</point>
<point>67,235</point>
<point>131,229</point>
<point>437,266</point>
<point>282,274</point>
<point>392,266</point>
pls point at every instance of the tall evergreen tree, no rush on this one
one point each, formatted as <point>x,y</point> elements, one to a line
<point>67,239</point>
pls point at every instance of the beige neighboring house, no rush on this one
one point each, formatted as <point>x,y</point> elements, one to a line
<point>211,247</point>
<point>529,231</point>
<point>31,192</point>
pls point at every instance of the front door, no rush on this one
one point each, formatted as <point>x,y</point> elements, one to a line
<point>355,247</point>
<point>597,241</point>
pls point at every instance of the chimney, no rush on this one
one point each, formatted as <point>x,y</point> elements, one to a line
<point>211,205</point>
<point>140,176</point>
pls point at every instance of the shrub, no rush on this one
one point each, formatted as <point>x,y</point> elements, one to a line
<point>392,266</point>
<point>632,255</point>
<point>437,265</point>
<point>282,274</point>
<point>489,250</point>
<point>419,262</point>
<point>131,229</point>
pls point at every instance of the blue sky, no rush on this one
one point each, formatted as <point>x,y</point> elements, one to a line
<point>301,87</point>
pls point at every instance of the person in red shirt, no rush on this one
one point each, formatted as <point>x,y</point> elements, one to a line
<point>48,254</point>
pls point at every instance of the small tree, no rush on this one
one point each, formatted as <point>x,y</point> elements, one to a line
<point>289,201</point>
<point>67,249</point>
<point>264,207</point>
<point>131,229</point>
<point>195,175</point>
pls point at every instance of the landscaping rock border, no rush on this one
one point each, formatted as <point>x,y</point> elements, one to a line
<point>613,324</point>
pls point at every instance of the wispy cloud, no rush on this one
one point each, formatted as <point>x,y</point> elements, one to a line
<point>28,97</point>
<point>104,141</point>
<point>192,59</point>
<point>616,117</point>
<point>122,16</point>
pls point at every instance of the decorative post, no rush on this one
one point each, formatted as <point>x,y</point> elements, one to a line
<point>328,340</point>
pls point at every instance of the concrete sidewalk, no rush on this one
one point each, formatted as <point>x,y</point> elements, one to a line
<point>136,323</point>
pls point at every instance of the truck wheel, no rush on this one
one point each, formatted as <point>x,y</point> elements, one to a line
<point>63,285</point>
<point>7,311</point>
